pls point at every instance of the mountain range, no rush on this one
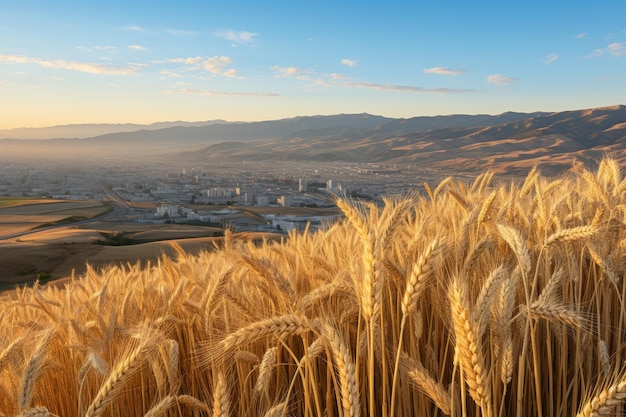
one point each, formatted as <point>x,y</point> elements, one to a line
<point>460,143</point>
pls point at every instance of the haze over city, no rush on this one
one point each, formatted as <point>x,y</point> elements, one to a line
<point>72,62</point>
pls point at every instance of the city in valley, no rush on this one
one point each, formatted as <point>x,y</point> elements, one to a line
<point>58,215</point>
<point>126,197</point>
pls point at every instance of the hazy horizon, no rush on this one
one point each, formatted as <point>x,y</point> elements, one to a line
<point>120,62</point>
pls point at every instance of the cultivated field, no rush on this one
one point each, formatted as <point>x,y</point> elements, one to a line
<point>19,215</point>
<point>62,251</point>
<point>480,299</point>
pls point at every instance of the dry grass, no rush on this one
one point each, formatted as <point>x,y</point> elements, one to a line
<point>481,299</point>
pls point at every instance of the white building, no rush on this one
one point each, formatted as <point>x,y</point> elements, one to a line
<point>302,185</point>
<point>284,201</point>
<point>169,211</point>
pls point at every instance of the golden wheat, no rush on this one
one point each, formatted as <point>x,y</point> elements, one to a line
<point>479,299</point>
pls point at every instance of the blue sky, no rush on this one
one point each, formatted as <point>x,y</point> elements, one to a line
<point>67,62</point>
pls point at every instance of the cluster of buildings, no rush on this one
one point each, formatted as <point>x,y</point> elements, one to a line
<point>242,220</point>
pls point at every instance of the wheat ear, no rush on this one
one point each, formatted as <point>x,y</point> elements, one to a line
<point>574,233</point>
<point>513,238</point>
<point>161,407</point>
<point>277,410</point>
<point>485,298</point>
<point>193,402</point>
<point>366,287</point>
<point>120,373</point>
<point>266,369</point>
<point>38,412</point>
<point>345,368</point>
<point>221,399</point>
<point>32,372</point>
<point>468,345</point>
<point>605,402</point>
<point>419,274</point>
<point>426,383</point>
<point>278,326</point>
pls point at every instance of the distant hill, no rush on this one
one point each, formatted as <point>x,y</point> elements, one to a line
<point>508,142</point>
<point>552,140</point>
<point>90,130</point>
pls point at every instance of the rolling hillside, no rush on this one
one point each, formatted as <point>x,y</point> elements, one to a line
<point>507,143</point>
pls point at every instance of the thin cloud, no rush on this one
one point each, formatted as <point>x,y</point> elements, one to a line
<point>550,58</point>
<point>283,72</point>
<point>348,62</point>
<point>178,32</point>
<point>499,80</point>
<point>581,35</point>
<point>405,88</point>
<point>214,64</point>
<point>236,36</point>
<point>135,28</point>
<point>190,91</point>
<point>169,73</point>
<point>137,47</point>
<point>91,68</point>
<point>615,49</point>
<point>444,71</point>
<point>96,48</point>
<point>188,61</point>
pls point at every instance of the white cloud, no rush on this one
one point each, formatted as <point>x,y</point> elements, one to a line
<point>285,71</point>
<point>4,82</point>
<point>137,47</point>
<point>92,68</point>
<point>336,76</point>
<point>231,73</point>
<point>444,71</point>
<point>216,64</point>
<point>550,58</point>
<point>581,35</point>
<point>404,88</point>
<point>236,36</point>
<point>615,49</point>
<point>499,80</point>
<point>348,62</point>
<point>189,91</point>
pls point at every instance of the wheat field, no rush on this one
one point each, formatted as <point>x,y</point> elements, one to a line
<point>478,299</point>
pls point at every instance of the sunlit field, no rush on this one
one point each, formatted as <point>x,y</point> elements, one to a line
<point>22,214</point>
<point>485,298</point>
